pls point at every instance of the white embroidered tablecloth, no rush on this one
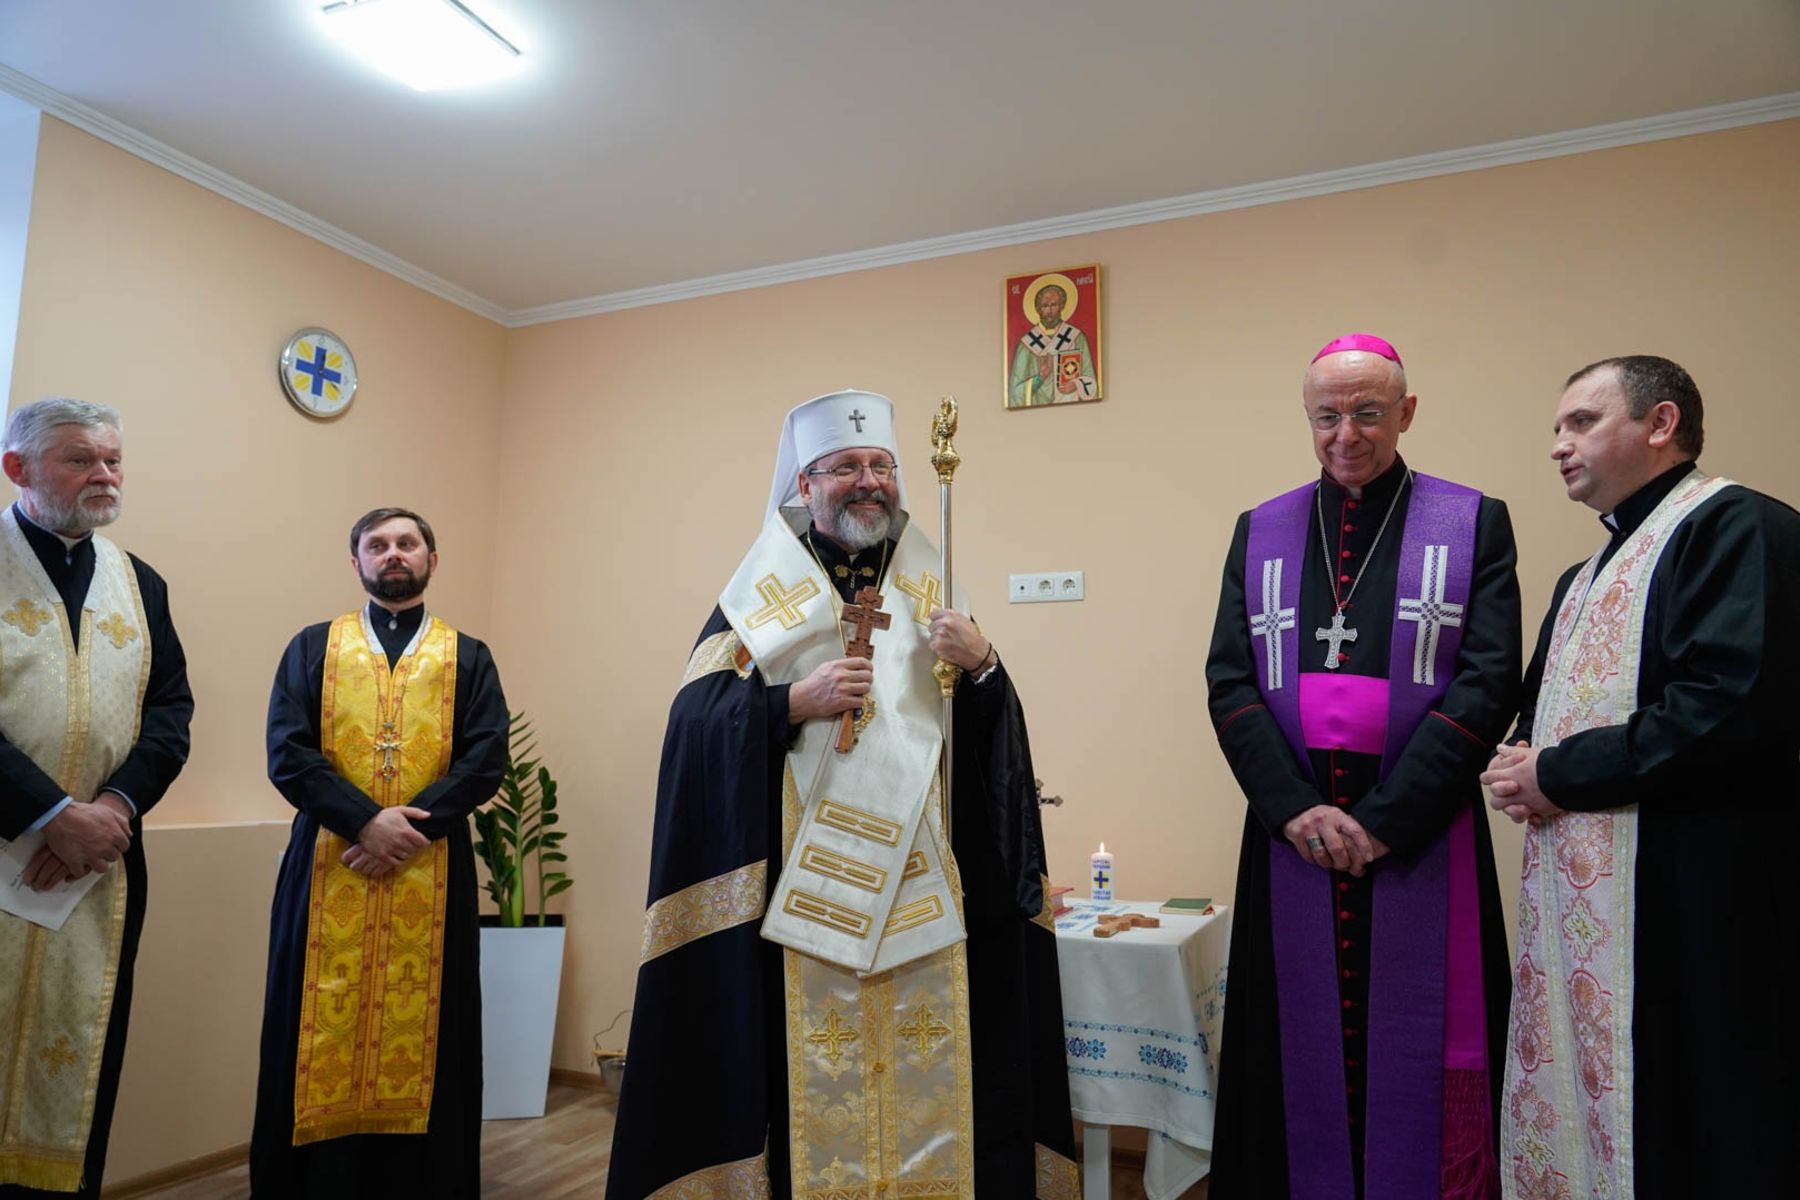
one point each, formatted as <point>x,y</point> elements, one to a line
<point>1142,1011</point>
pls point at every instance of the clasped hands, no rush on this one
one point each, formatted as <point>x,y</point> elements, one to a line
<point>82,839</point>
<point>386,841</point>
<point>839,685</point>
<point>1512,778</point>
<point>1329,837</point>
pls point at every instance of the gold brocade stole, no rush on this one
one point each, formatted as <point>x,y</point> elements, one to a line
<point>880,1074</point>
<point>76,715</point>
<point>375,947</point>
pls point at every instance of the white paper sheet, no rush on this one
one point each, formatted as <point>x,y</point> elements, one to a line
<point>49,909</point>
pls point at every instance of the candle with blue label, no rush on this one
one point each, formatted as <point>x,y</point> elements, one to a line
<point>1100,875</point>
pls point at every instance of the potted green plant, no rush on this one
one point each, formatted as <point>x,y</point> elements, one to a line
<point>521,951</point>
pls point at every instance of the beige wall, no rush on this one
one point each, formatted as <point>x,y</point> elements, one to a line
<point>636,455</point>
<point>627,457</point>
<point>172,303</point>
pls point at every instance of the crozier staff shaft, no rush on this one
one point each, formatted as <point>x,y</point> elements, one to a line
<point>945,460</point>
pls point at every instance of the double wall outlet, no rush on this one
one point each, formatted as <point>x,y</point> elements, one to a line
<point>1045,587</point>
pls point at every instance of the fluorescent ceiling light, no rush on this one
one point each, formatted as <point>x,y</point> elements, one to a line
<point>427,44</point>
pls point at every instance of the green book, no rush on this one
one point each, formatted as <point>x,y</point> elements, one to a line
<point>1191,906</point>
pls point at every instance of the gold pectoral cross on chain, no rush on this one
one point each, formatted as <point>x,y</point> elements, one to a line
<point>388,743</point>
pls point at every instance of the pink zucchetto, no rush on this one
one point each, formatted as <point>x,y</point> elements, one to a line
<point>1361,341</point>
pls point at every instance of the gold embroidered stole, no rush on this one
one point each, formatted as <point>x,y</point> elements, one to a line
<point>375,947</point>
<point>880,1093</point>
<point>76,714</point>
<point>1567,1130</point>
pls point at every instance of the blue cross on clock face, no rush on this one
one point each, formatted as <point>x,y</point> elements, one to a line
<point>317,372</point>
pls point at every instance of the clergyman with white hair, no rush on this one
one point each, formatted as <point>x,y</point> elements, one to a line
<point>94,714</point>
<point>836,995</point>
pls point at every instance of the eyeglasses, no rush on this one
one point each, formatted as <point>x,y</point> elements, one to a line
<point>845,472</point>
<point>1364,418</point>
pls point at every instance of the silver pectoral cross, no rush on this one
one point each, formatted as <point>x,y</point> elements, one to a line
<point>1335,636</point>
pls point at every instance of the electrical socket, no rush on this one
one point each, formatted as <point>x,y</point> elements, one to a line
<point>1046,587</point>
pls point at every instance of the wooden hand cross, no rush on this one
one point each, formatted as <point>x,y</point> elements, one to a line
<point>866,616</point>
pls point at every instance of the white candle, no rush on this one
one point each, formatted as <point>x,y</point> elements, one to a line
<point>1100,875</point>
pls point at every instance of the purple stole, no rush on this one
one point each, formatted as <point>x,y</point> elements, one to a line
<point>1425,998</point>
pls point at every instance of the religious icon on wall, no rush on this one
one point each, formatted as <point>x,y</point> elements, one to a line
<point>1053,337</point>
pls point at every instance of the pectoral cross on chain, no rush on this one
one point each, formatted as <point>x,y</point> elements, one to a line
<point>387,743</point>
<point>1337,635</point>
<point>865,616</point>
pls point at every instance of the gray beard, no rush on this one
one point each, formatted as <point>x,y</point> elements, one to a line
<point>73,520</point>
<point>853,531</point>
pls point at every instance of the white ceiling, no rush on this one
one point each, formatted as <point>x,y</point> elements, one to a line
<point>650,142</point>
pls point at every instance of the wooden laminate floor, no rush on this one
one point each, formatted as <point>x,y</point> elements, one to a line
<point>562,1155</point>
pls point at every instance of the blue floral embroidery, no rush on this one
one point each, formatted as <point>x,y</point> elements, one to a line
<point>1086,1048</point>
<point>1168,1060</point>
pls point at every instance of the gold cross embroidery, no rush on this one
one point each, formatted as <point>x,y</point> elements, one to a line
<point>924,1028</point>
<point>26,617</point>
<point>387,743</point>
<point>927,594</point>
<point>118,630</point>
<point>406,985</point>
<point>338,989</point>
<point>58,1055</point>
<point>784,603</point>
<point>832,1035</point>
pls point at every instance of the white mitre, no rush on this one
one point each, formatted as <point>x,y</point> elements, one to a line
<point>824,425</point>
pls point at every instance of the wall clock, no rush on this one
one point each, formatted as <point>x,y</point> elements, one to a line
<point>317,372</point>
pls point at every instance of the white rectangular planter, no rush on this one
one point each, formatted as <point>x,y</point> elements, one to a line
<point>521,970</point>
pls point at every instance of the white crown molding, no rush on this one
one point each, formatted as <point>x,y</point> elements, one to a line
<point>1424,166</point>
<point>214,180</point>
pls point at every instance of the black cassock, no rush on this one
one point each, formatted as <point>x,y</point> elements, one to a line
<point>445,1160</point>
<point>27,793</point>
<point>706,1074</point>
<point>1710,758</point>
<point>1434,781</point>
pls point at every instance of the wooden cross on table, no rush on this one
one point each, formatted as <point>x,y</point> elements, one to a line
<point>1120,922</point>
<point>866,616</point>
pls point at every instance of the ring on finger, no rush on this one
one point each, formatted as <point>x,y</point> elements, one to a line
<point>1315,843</point>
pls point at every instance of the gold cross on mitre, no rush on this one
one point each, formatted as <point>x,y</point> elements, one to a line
<point>927,594</point>
<point>832,1035</point>
<point>783,603</point>
<point>26,617</point>
<point>118,630</point>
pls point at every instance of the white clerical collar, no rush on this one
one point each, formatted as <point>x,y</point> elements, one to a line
<point>69,543</point>
<point>1611,521</point>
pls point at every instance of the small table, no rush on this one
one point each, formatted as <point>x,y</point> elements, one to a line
<point>1142,1011</point>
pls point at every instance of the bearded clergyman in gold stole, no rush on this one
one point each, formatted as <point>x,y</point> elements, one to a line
<point>94,712</point>
<point>386,729</point>
<point>839,996</point>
